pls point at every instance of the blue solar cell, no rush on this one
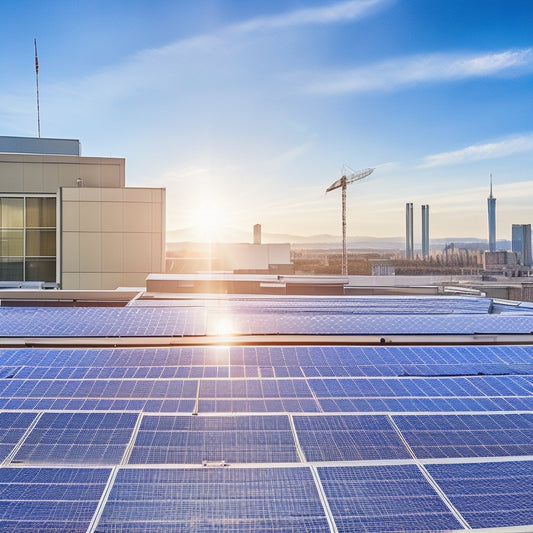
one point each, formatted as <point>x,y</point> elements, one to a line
<point>384,498</point>
<point>101,322</point>
<point>12,428</point>
<point>254,499</point>
<point>348,438</point>
<point>79,438</point>
<point>468,435</point>
<point>489,494</point>
<point>319,323</point>
<point>191,440</point>
<point>49,499</point>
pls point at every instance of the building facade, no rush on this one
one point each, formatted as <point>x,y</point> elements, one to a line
<point>521,243</point>
<point>71,222</point>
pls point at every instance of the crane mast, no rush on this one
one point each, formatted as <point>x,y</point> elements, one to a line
<point>348,176</point>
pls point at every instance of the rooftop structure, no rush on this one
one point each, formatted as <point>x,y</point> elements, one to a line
<point>71,222</point>
<point>267,413</point>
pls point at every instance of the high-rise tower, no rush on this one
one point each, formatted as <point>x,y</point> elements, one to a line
<point>425,231</point>
<point>409,231</point>
<point>491,201</point>
<point>521,243</point>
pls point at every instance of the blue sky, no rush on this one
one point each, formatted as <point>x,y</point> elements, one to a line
<point>246,111</point>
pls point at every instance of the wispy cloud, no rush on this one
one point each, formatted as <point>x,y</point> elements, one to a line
<point>477,152</point>
<point>391,75</point>
<point>338,12</point>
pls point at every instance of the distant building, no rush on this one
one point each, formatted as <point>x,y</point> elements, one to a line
<point>238,258</point>
<point>382,268</point>
<point>71,222</point>
<point>521,243</point>
<point>425,231</point>
<point>257,234</point>
<point>491,202</point>
<point>409,245</point>
<point>501,263</point>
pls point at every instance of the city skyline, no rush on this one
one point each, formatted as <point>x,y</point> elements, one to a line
<point>246,113</point>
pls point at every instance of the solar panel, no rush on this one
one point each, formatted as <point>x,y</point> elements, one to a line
<point>354,304</point>
<point>209,499</point>
<point>12,428</point>
<point>468,435</point>
<point>384,498</point>
<point>100,322</point>
<point>193,440</point>
<point>489,494</point>
<point>77,438</point>
<point>132,408</point>
<point>348,438</point>
<point>49,500</point>
<point>312,323</point>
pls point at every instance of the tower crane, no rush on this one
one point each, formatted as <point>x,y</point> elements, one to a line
<point>348,176</point>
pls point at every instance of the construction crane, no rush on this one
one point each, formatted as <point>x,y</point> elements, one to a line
<point>348,176</point>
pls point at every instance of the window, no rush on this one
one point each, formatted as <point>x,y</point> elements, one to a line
<point>28,238</point>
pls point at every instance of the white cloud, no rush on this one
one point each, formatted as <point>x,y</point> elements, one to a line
<point>338,12</point>
<point>478,152</point>
<point>390,75</point>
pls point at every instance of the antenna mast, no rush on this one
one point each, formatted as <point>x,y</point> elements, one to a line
<point>37,83</point>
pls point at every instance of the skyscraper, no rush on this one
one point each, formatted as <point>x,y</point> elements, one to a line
<point>425,231</point>
<point>491,201</point>
<point>521,243</point>
<point>409,231</point>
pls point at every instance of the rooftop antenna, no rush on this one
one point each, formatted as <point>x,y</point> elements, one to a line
<point>348,176</point>
<point>490,186</point>
<point>37,83</point>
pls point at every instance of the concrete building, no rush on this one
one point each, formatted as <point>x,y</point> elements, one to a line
<point>491,204</point>
<point>425,231</point>
<point>239,258</point>
<point>501,263</point>
<point>409,244</point>
<point>70,220</point>
<point>521,243</point>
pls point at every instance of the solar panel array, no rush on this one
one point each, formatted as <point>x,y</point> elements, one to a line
<point>264,438</point>
<point>438,316</point>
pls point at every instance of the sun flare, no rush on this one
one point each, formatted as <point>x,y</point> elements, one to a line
<point>210,221</point>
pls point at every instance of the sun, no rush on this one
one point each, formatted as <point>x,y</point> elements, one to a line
<point>209,220</point>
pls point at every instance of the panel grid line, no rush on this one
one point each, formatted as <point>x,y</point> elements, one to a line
<point>430,480</point>
<point>299,450</point>
<point>103,500</point>
<point>324,500</point>
<point>20,443</point>
<point>127,452</point>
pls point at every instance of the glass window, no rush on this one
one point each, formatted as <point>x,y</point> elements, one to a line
<point>12,212</point>
<point>40,212</point>
<point>41,242</point>
<point>11,242</point>
<point>11,269</point>
<point>41,269</point>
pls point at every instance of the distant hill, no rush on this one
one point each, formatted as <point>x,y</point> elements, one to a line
<point>325,240</point>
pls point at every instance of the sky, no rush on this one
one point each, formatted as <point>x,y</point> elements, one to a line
<point>246,111</point>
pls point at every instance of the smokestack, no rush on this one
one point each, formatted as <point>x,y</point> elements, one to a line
<point>257,234</point>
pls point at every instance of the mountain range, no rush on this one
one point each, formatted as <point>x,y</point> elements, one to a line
<point>196,234</point>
